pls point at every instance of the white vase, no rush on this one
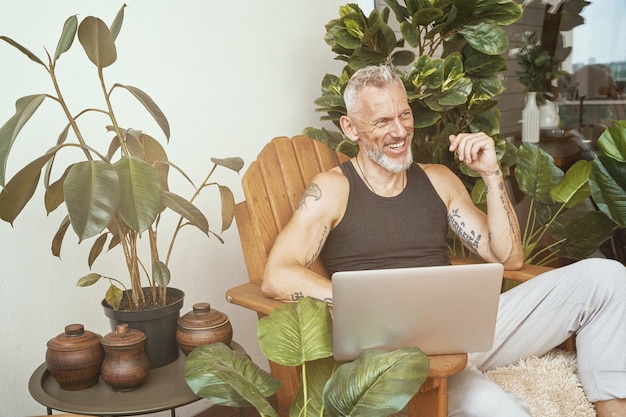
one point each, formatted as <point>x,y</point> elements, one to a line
<point>530,119</point>
<point>549,115</point>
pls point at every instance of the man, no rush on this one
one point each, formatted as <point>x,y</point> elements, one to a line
<point>381,210</point>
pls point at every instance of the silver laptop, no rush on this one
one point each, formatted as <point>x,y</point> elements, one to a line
<point>440,309</point>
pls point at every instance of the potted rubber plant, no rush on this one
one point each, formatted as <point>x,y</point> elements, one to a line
<point>115,196</point>
<point>376,384</point>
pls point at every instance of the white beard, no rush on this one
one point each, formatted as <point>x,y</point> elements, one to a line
<point>392,165</point>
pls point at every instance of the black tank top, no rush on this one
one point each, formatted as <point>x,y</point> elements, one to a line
<point>377,232</point>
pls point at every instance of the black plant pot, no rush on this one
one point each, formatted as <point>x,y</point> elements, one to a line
<point>159,324</point>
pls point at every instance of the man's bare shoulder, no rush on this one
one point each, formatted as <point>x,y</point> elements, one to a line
<point>437,172</point>
<point>329,188</point>
<point>446,183</point>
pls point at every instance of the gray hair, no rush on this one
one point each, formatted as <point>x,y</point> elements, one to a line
<point>375,75</point>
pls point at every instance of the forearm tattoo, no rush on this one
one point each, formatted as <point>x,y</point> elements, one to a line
<point>296,296</point>
<point>312,191</point>
<point>458,226</point>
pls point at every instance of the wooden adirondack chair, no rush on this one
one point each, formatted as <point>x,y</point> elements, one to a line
<point>273,185</point>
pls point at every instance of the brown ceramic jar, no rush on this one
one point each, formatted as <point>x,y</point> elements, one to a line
<point>125,365</point>
<point>202,326</point>
<point>74,357</point>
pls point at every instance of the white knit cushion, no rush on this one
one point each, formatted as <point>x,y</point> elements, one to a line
<point>549,384</point>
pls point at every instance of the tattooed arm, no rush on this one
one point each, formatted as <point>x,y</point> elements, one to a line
<point>494,237</point>
<point>322,205</point>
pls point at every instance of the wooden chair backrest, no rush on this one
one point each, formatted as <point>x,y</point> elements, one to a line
<point>273,186</point>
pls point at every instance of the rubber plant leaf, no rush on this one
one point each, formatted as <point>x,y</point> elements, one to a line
<point>536,172</point>
<point>295,333</point>
<point>378,383</point>
<point>97,41</point>
<point>57,240</point>
<point>186,210</point>
<point>116,26</point>
<point>228,206</point>
<point>608,188</point>
<point>20,189</point>
<point>140,192</point>
<point>317,374</point>
<point>234,163</point>
<point>25,107</point>
<point>96,249</point>
<point>160,273</point>
<point>486,37</point>
<point>92,197</point>
<point>151,106</point>
<point>227,377</point>
<point>53,196</point>
<point>574,186</point>
<point>23,50</point>
<point>88,279</point>
<point>114,296</point>
<point>67,36</point>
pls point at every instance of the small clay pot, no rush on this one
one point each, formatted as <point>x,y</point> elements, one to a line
<point>125,364</point>
<point>202,326</point>
<point>74,357</point>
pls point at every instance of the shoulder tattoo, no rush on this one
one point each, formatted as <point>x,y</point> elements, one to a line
<point>313,191</point>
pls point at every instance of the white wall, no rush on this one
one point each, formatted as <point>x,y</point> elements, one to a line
<point>228,75</point>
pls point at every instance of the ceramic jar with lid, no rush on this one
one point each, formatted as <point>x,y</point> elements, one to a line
<point>201,326</point>
<point>74,358</point>
<point>125,366</point>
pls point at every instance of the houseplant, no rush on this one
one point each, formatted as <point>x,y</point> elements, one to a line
<point>118,194</point>
<point>378,383</point>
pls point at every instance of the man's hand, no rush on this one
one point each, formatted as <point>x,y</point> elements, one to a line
<point>477,150</point>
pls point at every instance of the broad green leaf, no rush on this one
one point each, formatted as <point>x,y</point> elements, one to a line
<point>377,384</point>
<point>140,192</point>
<point>427,15</point>
<point>116,26</point>
<point>402,58</point>
<point>160,273</point>
<point>317,374</point>
<point>23,50</point>
<point>410,34</point>
<point>574,186</point>
<point>57,240</point>
<point>608,188</point>
<point>536,173</point>
<point>92,196</point>
<point>503,13</point>
<point>53,196</point>
<point>612,143</point>
<point>186,209</point>
<point>228,206</point>
<point>88,279</point>
<point>151,106</point>
<point>96,249</point>
<point>147,148</point>
<point>67,36</point>
<point>24,109</point>
<point>20,189</point>
<point>227,377</point>
<point>97,41</point>
<point>296,332</point>
<point>486,37</point>
<point>583,235</point>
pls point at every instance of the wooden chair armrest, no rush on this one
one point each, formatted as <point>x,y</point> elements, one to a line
<point>250,296</point>
<point>527,272</point>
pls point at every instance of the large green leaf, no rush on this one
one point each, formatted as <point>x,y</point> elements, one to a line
<point>186,209</point>
<point>20,189</point>
<point>140,190</point>
<point>226,377</point>
<point>583,235</point>
<point>151,106</point>
<point>92,196</point>
<point>295,333</point>
<point>608,188</point>
<point>24,109</point>
<point>486,37</point>
<point>377,384</point>
<point>97,41</point>
<point>612,143</point>
<point>316,374</point>
<point>536,173</point>
<point>67,36</point>
<point>574,186</point>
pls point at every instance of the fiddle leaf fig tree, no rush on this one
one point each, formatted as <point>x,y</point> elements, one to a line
<point>378,383</point>
<point>115,195</point>
<point>449,58</point>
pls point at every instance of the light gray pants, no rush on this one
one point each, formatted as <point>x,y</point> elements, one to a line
<point>587,298</point>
